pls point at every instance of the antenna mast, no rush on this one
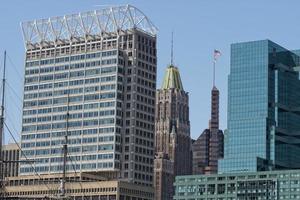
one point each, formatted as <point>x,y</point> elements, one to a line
<point>172,49</point>
<point>2,121</point>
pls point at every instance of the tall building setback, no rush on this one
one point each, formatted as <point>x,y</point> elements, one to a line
<point>91,75</point>
<point>263,109</point>
<point>172,134</point>
<point>209,147</point>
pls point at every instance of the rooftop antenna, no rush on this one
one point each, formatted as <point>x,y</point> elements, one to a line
<point>2,120</point>
<point>172,49</point>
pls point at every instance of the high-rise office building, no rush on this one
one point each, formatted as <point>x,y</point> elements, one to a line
<point>263,109</point>
<point>209,147</point>
<point>91,75</point>
<point>172,134</point>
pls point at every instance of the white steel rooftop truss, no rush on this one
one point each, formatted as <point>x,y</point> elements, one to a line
<point>56,30</point>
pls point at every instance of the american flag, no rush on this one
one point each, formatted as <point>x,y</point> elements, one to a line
<point>217,53</point>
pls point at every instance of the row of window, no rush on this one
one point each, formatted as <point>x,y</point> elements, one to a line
<point>75,149</point>
<point>70,167</point>
<point>147,57</point>
<point>64,100</point>
<point>61,125</point>
<point>70,133</point>
<point>71,58</point>
<point>71,149</point>
<point>100,157</point>
<point>74,74</point>
<point>70,91</point>
<point>70,83</point>
<point>70,141</point>
<point>103,105</point>
<point>71,116</point>
<point>75,158</point>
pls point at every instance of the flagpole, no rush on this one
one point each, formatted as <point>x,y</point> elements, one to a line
<point>216,54</point>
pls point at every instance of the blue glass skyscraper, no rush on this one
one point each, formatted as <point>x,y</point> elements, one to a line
<point>263,109</point>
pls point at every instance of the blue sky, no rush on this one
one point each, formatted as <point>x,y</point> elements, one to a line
<point>199,26</point>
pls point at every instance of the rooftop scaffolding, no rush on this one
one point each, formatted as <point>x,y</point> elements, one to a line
<point>77,27</point>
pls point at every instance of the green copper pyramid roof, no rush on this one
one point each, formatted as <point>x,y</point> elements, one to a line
<point>172,79</point>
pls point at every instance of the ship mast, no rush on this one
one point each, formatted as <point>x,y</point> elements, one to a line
<point>2,122</point>
<point>65,154</point>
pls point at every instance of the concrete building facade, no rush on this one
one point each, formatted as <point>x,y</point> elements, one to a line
<point>10,156</point>
<point>79,186</point>
<point>172,134</point>
<point>9,164</point>
<point>93,77</point>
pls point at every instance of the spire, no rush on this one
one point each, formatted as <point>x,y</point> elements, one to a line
<point>172,50</point>
<point>172,77</point>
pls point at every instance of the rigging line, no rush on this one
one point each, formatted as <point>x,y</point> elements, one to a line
<point>12,118</point>
<point>14,67</point>
<point>7,116</point>
<point>12,135</point>
<point>56,188</point>
<point>1,66</point>
<point>13,127</point>
<point>15,103</point>
<point>74,168</point>
<point>15,93</point>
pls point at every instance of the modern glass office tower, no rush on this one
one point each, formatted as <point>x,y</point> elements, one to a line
<point>263,109</point>
<point>92,75</point>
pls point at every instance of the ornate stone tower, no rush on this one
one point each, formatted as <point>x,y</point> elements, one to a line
<point>172,134</point>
